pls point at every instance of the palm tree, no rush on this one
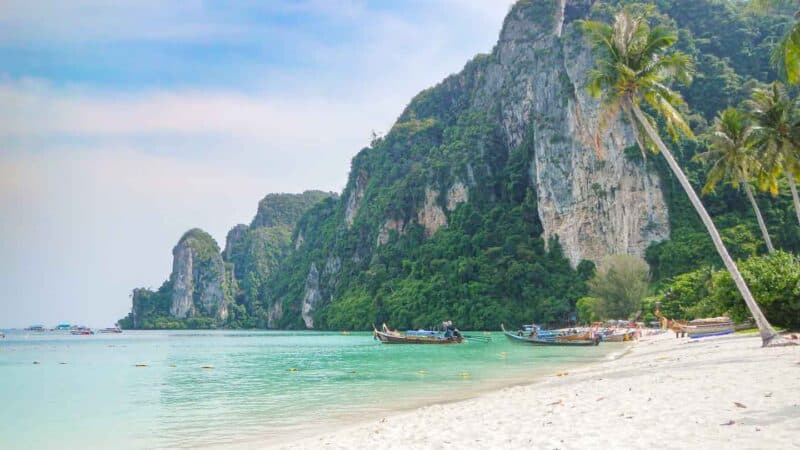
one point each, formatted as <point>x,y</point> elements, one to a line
<point>733,159</point>
<point>786,55</point>
<point>775,136</point>
<point>633,65</point>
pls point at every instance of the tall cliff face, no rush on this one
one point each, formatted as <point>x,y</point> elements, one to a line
<point>513,132</point>
<point>538,74</point>
<point>199,279</point>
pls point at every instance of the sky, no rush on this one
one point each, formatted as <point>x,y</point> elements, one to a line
<point>124,123</point>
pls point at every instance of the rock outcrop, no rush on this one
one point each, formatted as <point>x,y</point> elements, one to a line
<point>198,278</point>
<point>431,216</point>
<point>312,296</point>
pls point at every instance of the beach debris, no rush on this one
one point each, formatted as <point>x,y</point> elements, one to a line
<point>601,398</point>
<point>730,422</point>
<point>562,374</point>
<point>555,403</point>
<point>739,405</point>
<point>768,395</point>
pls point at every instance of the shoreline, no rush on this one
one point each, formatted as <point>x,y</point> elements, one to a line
<point>660,391</point>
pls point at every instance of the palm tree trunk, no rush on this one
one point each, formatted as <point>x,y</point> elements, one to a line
<point>793,188</point>
<point>767,333</point>
<point>760,219</point>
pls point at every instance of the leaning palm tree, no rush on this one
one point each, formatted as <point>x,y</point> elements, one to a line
<point>633,65</point>
<point>732,159</point>
<point>775,136</point>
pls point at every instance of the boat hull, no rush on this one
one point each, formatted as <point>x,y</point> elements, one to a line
<point>571,342</point>
<point>396,338</point>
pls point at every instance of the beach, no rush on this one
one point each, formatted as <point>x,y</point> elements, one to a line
<point>725,392</point>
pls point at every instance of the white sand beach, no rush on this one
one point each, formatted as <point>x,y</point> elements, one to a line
<point>724,392</point>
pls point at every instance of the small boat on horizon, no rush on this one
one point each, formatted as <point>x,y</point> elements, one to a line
<point>114,329</point>
<point>36,328</point>
<point>533,335</point>
<point>82,331</point>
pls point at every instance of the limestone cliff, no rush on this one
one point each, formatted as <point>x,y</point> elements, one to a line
<point>538,74</point>
<point>198,278</point>
<point>208,288</point>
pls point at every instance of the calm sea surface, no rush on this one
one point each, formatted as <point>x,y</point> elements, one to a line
<point>86,391</point>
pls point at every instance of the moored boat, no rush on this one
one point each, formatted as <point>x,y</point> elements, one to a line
<point>115,329</point>
<point>700,328</point>
<point>36,328</point>
<point>545,338</point>
<point>82,331</point>
<point>387,336</point>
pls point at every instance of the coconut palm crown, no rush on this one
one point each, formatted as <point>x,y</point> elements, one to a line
<point>775,135</point>
<point>632,65</point>
<point>733,159</point>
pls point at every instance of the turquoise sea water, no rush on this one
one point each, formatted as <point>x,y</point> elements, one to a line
<point>86,391</point>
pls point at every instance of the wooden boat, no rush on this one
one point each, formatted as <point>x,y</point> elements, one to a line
<point>387,336</point>
<point>617,337</point>
<point>700,328</point>
<point>578,340</point>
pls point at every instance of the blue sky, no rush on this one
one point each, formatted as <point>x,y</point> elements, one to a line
<point>124,123</point>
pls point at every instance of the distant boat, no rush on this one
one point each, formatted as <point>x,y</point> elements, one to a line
<point>551,338</point>
<point>62,327</point>
<point>36,328</point>
<point>387,336</point>
<point>82,331</point>
<point>111,330</point>
<point>2,335</point>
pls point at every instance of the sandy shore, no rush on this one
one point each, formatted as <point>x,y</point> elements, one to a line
<point>724,392</point>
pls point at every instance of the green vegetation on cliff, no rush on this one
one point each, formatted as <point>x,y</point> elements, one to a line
<point>210,288</point>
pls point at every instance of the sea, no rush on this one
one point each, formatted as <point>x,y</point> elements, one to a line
<point>209,389</point>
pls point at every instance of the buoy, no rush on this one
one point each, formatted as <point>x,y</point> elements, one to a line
<point>422,372</point>
<point>293,369</point>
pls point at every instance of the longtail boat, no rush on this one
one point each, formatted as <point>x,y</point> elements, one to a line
<point>618,336</point>
<point>577,340</point>
<point>715,326</point>
<point>387,336</point>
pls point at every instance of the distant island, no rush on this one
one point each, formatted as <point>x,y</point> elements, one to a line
<point>488,202</point>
